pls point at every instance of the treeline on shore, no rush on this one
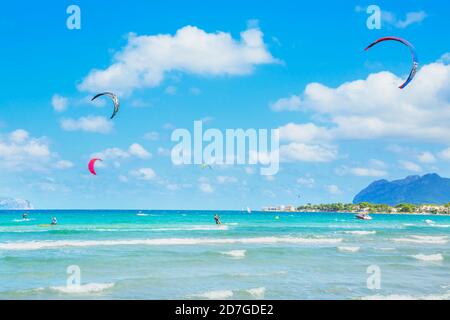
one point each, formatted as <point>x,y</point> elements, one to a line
<point>376,208</point>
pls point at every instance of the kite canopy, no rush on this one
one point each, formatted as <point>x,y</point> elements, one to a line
<point>113,98</point>
<point>91,165</point>
<point>415,59</point>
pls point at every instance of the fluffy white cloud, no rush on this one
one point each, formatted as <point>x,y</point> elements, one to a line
<point>137,150</point>
<point>19,136</point>
<point>410,166</point>
<point>146,174</point>
<point>375,107</point>
<point>59,103</point>
<point>426,157</point>
<point>63,164</point>
<point>292,103</point>
<point>19,151</point>
<point>445,154</point>
<point>145,60</point>
<point>118,154</point>
<point>367,172</point>
<point>307,153</point>
<point>89,124</point>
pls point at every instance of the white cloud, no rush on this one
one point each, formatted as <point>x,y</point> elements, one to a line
<point>306,132</point>
<point>19,136</point>
<point>118,154</point>
<point>145,60</point>
<point>445,154</point>
<point>375,108</point>
<point>367,172</point>
<point>307,153</point>
<point>410,18</point>
<point>146,174</point>
<point>88,124</point>
<point>137,150</point>
<point>410,166</point>
<point>292,103</point>
<point>19,151</point>
<point>426,157</point>
<point>64,164</point>
<point>206,187</point>
<point>59,103</point>
<point>333,189</point>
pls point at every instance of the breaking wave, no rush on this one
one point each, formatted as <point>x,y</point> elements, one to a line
<point>54,244</point>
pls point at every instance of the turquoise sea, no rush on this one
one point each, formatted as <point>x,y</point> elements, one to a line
<point>184,255</point>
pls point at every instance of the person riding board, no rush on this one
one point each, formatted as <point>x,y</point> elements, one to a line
<point>54,221</point>
<point>217,219</point>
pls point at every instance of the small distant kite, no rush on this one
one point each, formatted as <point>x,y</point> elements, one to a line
<point>205,166</point>
<point>415,60</point>
<point>91,165</point>
<point>114,99</point>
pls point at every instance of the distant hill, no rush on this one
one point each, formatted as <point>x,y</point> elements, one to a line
<point>428,189</point>
<point>14,204</point>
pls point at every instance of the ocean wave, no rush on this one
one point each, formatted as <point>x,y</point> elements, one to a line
<point>348,249</point>
<point>53,244</point>
<point>360,233</point>
<point>429,257</point>
<point>424,239</point>
<point>214,295</point>
<point>257,292</point>
<point>83,289</point>
<point>442,296</point>
<point>194,228</point>
<point>235,253</point>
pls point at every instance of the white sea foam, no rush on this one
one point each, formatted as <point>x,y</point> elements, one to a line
<point>52,244</point>
<point>348,249</point>
<point>361,233</point>
<point>214,295</point>
<point>257,292</point>
<point>428,221</point>
<point>235,253</point>
<point>424,239</point>
<point>84,289</point>
<point>443,296</point>
<point>195,228</point>
<point>142,214</point>
<point>429,257</point>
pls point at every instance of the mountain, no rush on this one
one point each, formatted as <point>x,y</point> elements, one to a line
<point>14,204</point>
<point>428,189</point>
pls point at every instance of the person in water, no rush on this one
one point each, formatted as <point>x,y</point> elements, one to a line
<point>25,216</point>
<point>217,219</point>
<point>54,221</point>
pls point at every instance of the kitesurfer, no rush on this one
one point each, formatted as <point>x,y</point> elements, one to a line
<point>25,216</point>
<point>54,221</point>
<point>217,219</point>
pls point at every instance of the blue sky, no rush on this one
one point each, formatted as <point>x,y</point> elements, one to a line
<point>342,120</point>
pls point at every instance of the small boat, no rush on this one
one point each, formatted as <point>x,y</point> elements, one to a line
<point>363,216</point>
